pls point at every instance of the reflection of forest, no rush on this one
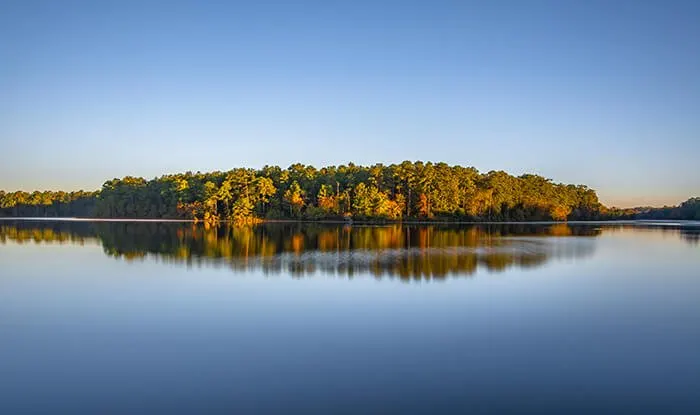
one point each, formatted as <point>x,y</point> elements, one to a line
<point>404,251</point>
<point>689,231</point>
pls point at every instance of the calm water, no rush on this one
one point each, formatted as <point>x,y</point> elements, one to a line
<point>176,318</point>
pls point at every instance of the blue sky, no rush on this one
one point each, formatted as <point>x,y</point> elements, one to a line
<point>604,93</point>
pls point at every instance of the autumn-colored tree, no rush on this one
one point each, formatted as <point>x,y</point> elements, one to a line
<point>294,197</point>
<point>326,199</point>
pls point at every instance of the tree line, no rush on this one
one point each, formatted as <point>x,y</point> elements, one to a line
<point>688,210</point>
<point>48,203</point>
<point>405,191</point>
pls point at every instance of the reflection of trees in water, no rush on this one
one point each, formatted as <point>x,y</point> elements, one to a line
<point>404,263</point>
<point>692,237</point>
<point>689,235</point>
<point>22,232</point>
<point>689,232</point>
<point>434,251</point>
<point>403,251</point>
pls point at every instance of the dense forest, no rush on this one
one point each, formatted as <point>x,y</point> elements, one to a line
<point>688,210</point>
<point>408,191</point>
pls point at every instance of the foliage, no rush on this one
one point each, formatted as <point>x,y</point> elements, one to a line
<point>688,210</point>
<point>408,191</point>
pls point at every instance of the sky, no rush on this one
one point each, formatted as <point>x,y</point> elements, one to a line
<point>602,93</point>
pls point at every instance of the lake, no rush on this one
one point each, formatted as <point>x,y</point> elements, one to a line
<point>125,317</point>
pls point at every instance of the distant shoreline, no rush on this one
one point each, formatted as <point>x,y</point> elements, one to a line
<point>660,222</point>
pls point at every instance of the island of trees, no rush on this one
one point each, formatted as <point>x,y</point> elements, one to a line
<point>406,191</point>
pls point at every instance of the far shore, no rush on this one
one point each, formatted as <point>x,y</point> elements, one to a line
<point>660,222</point>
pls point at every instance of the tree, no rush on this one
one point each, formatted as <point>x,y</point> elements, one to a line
<point>326,200</point>
<point>294,197</point>
<point>362,202</point>
<point>265,189</point>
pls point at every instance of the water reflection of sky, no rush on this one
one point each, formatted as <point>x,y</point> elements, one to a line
<point>608,315</point>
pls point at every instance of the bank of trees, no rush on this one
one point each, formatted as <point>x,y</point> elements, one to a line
<point>47,203</point>
<point>410,190</point>
<point>688,210</point>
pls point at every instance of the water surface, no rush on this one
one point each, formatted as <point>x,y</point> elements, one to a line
<point>306,318</point>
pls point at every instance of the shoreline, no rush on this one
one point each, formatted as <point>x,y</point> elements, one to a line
<point>659,222</point>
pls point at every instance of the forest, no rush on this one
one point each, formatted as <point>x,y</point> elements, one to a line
<point>409,191</point>
<point>688,210</point>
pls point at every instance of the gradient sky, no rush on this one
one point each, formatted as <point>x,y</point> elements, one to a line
<point>603,93</point>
